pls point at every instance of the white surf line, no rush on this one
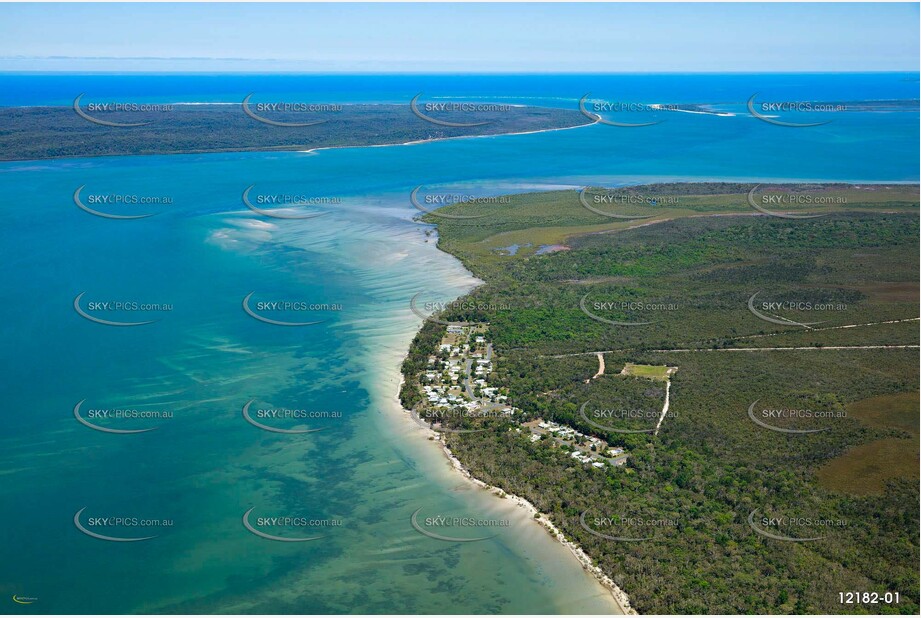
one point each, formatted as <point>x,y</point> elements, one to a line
<point>668,388</point>
<point>620,597</point>
<point>416,142</point>
<point>829,328</point>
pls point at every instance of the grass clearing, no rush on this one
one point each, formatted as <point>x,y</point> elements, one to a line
<point>653,372</point>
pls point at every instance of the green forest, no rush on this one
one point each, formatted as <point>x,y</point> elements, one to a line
<point>843,291</point>
<point>54,132</point>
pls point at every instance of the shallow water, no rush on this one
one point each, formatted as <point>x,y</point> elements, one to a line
<point>205,358</point>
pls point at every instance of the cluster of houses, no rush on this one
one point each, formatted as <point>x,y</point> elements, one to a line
<point>456,377</point>
<point>456,381</point>
<point>585,449</point>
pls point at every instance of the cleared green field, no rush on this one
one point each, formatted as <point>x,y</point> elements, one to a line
<point>653,372</point>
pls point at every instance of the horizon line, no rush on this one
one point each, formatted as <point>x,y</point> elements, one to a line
<point>451,73</point>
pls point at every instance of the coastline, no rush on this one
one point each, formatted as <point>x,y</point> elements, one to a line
<point>405,418</point>
<point>582,587</point>
<point>293,148</point>
<point>445,139</point>
<point>620,597</point>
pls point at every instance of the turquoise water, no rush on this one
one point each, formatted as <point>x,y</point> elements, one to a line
<point>205,358</point>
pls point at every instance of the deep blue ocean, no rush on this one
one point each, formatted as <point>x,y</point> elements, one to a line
<point>203,358</point>
<point>551,90</point>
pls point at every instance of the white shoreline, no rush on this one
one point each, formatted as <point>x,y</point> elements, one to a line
<point>445,139</point>
<point>620,598</point>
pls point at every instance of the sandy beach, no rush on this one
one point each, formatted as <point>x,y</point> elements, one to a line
<point>523,510</point>
<point>447,139</point>
<point>620,597</point>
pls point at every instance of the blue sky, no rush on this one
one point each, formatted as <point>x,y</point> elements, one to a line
<point>362,38</point>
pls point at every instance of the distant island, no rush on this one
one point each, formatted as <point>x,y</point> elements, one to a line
<point>55,132</point>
